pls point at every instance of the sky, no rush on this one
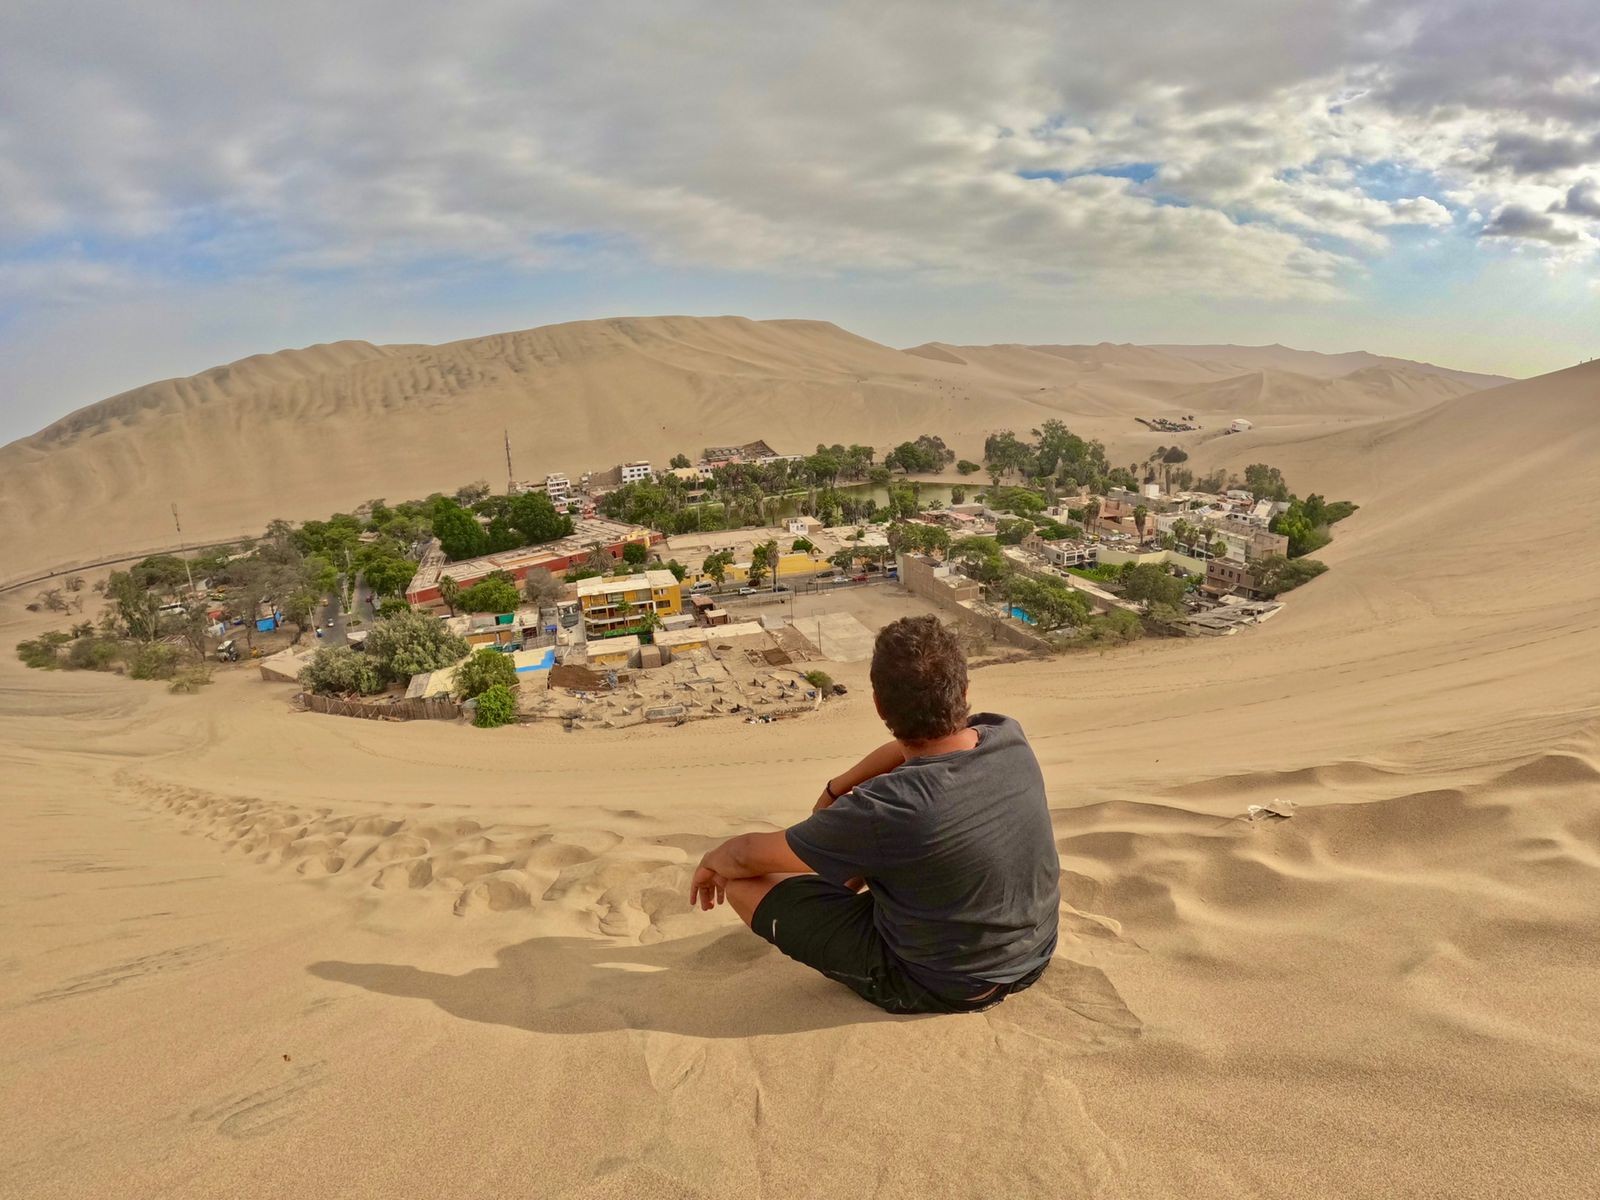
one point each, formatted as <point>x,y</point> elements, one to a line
<point>182,185</point>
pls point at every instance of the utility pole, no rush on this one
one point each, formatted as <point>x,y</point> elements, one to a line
<point>511,478</point>
<point>182,549</point>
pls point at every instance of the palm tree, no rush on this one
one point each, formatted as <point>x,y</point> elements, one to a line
<point>1091,513</point>
<point>1140,512</point>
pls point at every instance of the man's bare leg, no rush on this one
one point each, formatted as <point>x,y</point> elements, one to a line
<point>744,895</point>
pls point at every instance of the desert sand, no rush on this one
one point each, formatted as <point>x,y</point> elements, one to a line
<point>302,433</point>
<point>254,952</point>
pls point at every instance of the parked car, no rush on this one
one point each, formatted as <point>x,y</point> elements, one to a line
<point>747,591</point>
<point>705,585</point>
<point>858,578</point>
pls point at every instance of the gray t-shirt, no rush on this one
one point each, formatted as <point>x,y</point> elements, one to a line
<point>959,853</point>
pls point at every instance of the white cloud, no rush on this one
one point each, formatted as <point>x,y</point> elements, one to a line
<point>1290,143</point>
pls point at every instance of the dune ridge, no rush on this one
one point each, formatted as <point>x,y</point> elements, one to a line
<point>469,953</point>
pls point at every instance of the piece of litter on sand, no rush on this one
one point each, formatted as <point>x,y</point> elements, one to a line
<point>1283,809</point>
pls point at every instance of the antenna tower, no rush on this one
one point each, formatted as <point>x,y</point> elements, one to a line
<point>182,549</point>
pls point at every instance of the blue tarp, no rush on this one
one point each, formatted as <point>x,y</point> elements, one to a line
<point>544,663</point>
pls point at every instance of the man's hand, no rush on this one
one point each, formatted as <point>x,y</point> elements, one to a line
<point>707,889</point>
<point>824,800</point>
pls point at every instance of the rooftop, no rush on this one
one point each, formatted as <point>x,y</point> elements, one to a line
<point>606,584</point>
<point>586,532</point>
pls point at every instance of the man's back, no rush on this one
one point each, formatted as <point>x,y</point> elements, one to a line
<point>960,856</point>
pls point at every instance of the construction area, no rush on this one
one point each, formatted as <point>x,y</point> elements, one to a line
<point>753,669</point>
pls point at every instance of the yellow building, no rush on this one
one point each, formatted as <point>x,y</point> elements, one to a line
<point>794,565</point>
<point>616,604</point>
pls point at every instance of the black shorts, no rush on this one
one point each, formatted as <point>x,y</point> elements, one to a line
<point>831,929</point>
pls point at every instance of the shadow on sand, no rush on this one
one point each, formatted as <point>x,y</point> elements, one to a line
<point>716,985</point>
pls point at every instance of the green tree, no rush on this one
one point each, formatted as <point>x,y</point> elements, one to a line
<point>409,644</point>
<point>536,519</point>
<point>137,610</point>
<point>679,462</point>
<point>763,558</point>
<point>678,569</point>
<point>449,593</point>
<point>459,533</point>
<point>984,559</point>
<point>483,670</point>
<point>967,467</point>
<point>803,545</point>
<point>1149,583</point>
<point>385,568</point>
<point>1052,604</point>
<point>716,566</point>
<point>497,706</point>
<point>1265,483</point>
<point>491,595</point>
<point>635,553</point>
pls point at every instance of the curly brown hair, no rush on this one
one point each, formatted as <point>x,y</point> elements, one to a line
<point>919,675</point>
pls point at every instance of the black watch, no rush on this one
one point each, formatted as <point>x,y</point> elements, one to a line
<point>828,787</point>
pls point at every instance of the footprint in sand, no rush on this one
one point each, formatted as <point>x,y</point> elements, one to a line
<point>251,1113</point>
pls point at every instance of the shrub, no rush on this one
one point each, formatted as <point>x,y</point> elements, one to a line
<point>1276,574</point>
<point>190,679</point>
<point>94,654</point>
<point>339,670</point>
<point>40,652</point>
<point>967,467</point>
<point>153,660</point>
<point>393,607</point>
<point>484,670</point>
<point>496,707</point>
<point>820,680</point>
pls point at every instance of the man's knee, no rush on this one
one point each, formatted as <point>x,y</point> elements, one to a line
<point>744,896</point>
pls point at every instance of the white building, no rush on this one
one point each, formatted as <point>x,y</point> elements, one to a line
<point>635,472</point>
<point>1240,425</point>
<point>558,487</point>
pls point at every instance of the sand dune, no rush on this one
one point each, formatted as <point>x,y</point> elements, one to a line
<point>303,433</point>
<point>405,959</point>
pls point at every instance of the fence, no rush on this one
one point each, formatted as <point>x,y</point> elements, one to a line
<point>426,708</point>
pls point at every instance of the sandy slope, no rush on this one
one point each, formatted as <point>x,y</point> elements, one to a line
<point>414,960</point>
<point>303,433</point>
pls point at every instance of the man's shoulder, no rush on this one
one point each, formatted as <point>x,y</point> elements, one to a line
<point>997,725</point>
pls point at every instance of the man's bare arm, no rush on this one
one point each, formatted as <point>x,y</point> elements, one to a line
<point>742,857</point>
<point>880,762</point>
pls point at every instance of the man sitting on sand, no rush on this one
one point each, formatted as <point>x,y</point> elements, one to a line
<point>947,826</point>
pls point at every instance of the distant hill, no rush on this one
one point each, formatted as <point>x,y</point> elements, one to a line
<point>300,433</point>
